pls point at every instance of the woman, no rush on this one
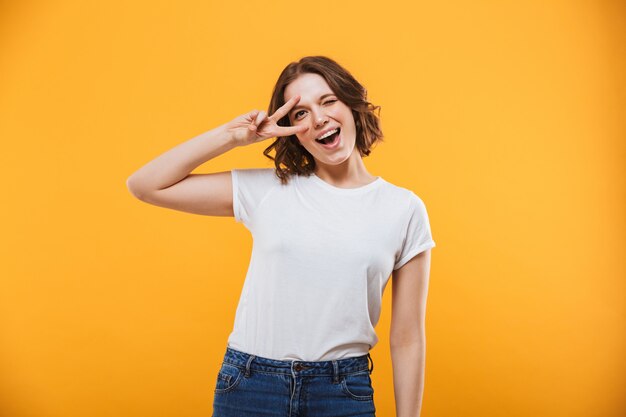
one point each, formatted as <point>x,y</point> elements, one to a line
<point>327,236</point>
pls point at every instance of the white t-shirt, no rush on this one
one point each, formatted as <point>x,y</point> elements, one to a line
<point>321,259</point>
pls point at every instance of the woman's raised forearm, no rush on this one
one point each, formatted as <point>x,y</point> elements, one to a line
<point>177,163</point>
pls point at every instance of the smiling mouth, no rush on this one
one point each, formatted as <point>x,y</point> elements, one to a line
<point>329,139</point>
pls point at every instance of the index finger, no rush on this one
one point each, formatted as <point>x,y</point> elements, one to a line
<point>284,109</point>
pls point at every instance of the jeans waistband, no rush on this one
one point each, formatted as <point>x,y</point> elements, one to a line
<point>333,367</point>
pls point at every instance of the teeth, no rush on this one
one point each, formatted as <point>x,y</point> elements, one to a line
<point>327,134</point>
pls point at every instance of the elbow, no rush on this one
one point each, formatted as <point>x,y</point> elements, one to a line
<point>415,337</point>
<point>394,343</point>
<point>133,188</point>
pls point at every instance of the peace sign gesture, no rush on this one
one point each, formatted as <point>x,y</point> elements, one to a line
<point>254,126</point>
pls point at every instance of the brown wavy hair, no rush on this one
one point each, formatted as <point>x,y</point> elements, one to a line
<point>289,152</point>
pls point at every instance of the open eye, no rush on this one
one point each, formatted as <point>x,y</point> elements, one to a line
<point>326,102</point>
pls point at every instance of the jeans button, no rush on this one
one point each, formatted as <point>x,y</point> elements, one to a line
<point>297,367</point>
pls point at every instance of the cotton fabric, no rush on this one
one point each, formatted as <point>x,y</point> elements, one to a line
<point>321,259</point>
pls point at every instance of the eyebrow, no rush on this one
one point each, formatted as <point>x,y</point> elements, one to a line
<point>320,99</point>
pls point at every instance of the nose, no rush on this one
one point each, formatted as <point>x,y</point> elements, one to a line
<point>320,118</point>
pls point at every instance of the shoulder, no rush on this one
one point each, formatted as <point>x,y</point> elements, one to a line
<point>402,194</point>
<point>255,172</point>
<point>255,175</point>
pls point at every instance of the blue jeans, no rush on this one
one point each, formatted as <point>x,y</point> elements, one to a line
<point>253,386</point>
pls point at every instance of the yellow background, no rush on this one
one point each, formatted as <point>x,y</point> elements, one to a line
<point>506,118</point>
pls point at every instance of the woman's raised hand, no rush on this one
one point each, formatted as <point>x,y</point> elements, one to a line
<point>255,127</point>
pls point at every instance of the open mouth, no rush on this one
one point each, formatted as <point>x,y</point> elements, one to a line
<point>329,140</point>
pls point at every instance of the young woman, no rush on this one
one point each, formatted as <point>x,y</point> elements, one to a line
<point>327,235</point>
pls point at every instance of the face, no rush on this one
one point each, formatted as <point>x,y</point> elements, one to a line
<point>321,111</point>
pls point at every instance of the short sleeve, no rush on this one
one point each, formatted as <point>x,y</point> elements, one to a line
<point>417,235</point>
<point>250,188</point>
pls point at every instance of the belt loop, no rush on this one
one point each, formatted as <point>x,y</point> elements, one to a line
<point>250,359</point>
<point>335,372</point>
<point>369,357</point>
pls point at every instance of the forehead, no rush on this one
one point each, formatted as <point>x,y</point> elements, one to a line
<point>308,86</point>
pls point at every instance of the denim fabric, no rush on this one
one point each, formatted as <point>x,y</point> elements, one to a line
<point>249,385</point>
